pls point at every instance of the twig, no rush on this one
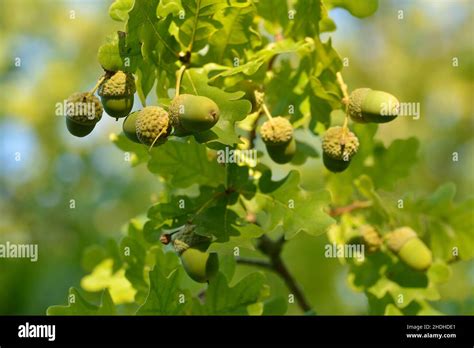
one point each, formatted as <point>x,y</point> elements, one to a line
<point>343,87</point>
<point>255,262</point>
<point>336,211</point>
<point>273,250</point>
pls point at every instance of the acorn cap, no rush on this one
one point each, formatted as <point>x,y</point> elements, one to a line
<point>174,111</point>
<point>186,238</point>
<point>84,108</point>
<point>355,104</point>
<point>118,84</point>
<point>152,122</point>
<point>276,131</point>
<point>339,145</point>
<point>397,238</point>
<point>367,105</point>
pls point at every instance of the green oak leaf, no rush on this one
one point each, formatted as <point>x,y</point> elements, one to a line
<point>166,7</point>
<point>307,15</point>
<point>236,34</point>
<point>218,221</point>
<point>224,300</point>
<point>145,28</point>
<point>163,297</point>
<point>356,8</point>
<point>119,9</point>
<point>183,162</point>
<point>232,107</point>
<point>78,305</point>
<point>288,205</point>
<point>138,153</point>
<point>199,23</point>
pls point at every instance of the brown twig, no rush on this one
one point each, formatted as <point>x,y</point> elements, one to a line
<point>336,211</point>
<point>273,250</point>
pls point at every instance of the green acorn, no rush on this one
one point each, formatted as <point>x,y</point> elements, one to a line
<point>367,105</point>
<point>371,238</point>
<point>193,113</point>
<point>129,127</point>
<point>277,134</point>
<point>116,93</point>
<point>199,264</point>
<point>410,249</point>
<point>77,129</point>
<point>84,109</point>
<point>339,146</point>
<point>152,126</point>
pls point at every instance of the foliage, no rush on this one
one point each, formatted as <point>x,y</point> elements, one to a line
<point>222,43</point>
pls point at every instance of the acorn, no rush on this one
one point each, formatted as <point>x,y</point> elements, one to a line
<point>192,113</point>
<point>371,238</point>
<point>129,127</point>
<point>410,249</point>
<point>199,264</point>
<point>277,134</point>
<point>339,146</point>
<point>152,126</point>
<point>367,105</point>
<point>84,109</point>
<point>116,93</point>
<point>77,129</point>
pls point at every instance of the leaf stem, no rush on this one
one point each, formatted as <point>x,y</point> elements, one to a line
<point>92,91</point>
<point>267,112</point>
<point>179,77</point>
<point>343,87</point>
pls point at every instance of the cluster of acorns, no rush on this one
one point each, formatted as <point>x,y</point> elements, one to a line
<point>404,242</point>
<point>84,110</point>
<point>339,144</point>
<point>187,114</point>
<point>364,105</point>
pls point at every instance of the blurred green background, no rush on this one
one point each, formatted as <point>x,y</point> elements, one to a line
<point>57,43</point>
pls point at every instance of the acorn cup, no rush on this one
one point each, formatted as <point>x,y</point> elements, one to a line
<point>367,105</point>
<point>277,134</point>
<point>193,114</point>
<point>200,265</point>
<point>116,93</point>
<point>409,248</point>
<point>339,146</point>
<point>152,126</point>
<point>83,111</point>
<point>129,127</point>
